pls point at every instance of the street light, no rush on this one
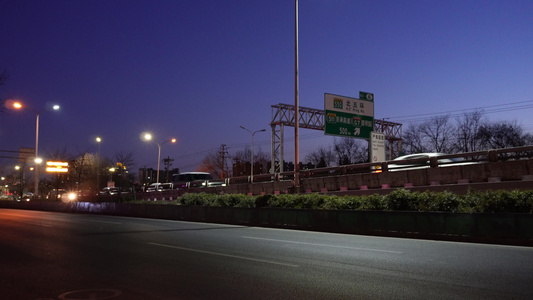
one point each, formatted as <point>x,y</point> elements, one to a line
<point>18,105</point>
<point>252,159</point>
<point>148,137</point>
<point>111,170</point>
<point>98,140</point>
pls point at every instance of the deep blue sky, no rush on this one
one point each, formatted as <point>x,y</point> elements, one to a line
<point>198,69</point>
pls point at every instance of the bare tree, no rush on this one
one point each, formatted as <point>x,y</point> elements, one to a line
<point>349,151</point>
<point>321,157</point>
<point>83,172</point>
<point>414,139</point>
<point>439,133</point>
<point>502,135</point>
<point>261,159</point>
<point>468,127</point>
<point>213,164</point>
<point>125,158</point>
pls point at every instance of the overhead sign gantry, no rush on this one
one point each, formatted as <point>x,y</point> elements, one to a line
<point>311,118</point>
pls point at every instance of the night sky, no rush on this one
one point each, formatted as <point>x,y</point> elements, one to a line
<point>196,70</point>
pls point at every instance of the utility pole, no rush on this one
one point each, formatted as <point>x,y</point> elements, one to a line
<point>223,151</point>
<point>296,106</point>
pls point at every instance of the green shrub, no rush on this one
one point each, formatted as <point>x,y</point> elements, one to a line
<point>344,202</point>
<point>372,202</point>
<point>400,199</point>
<point>263,200</point>
<point>228,200</point>
<point>445,201</point>
<point>505,201</point>
<point>202,199</point>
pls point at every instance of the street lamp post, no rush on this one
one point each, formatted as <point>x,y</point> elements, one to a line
<point>99,141</point>
<point>19,105</point>
<point>148,137</point>
<point>252,158</point>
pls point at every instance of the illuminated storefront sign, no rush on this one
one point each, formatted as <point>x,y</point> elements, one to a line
<point>56,167</point>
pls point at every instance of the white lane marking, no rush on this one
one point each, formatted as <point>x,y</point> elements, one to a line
<point>226,255</point>
<point>322,245</point>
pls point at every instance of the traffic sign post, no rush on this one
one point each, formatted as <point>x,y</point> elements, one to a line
<point>349,117</point>
<point>377,149</point>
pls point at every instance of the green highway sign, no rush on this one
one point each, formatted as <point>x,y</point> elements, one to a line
<point>349,117</point>
<point>366,96</point>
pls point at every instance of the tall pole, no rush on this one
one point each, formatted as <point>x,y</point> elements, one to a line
<point>296,107</point>
<point>252,158</point>
<point>18,105</point>
<point>252,161</point>
<point>148,137</point>
<point>98,140</point>
<point>158,162</point>
<point>36,173</point>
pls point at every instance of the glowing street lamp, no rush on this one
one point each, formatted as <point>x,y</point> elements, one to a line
<point>252,158</point>
<point>111,170</point>
<point>18,105</point>
<point>148,137</point>
<point>99,141</point>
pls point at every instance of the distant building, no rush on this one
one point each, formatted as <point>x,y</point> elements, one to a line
<point>149,175</point>
<point>25,154</point>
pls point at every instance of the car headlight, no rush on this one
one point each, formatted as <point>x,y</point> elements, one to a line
<point>72,196</point>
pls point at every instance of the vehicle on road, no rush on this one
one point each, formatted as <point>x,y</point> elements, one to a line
<point>62,195</point>
<point>160,187</point>
<point>26,197</point>
<point>194,180</point>
<point>403,163</point>
<point>108,191</point>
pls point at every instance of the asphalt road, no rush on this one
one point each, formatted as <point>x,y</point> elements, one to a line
<point>73,256</point>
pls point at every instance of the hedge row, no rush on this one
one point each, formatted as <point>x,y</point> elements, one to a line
<point>399,200</point>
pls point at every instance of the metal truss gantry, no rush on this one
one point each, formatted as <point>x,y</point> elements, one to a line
<point>311,118</point>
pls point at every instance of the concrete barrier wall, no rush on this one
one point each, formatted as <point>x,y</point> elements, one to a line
<point>504,171</point>
<point>501,228</point>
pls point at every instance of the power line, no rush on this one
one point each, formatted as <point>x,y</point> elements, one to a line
<point>485,109</point>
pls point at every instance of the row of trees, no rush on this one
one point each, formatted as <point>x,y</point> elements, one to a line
<point>466,133</point>
<point>343,151</point>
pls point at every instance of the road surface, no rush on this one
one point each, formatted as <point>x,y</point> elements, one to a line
<point>48,255</point>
